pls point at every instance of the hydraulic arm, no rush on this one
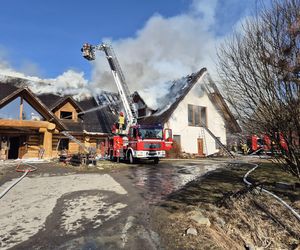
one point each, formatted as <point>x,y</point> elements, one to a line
<point>88,52</point>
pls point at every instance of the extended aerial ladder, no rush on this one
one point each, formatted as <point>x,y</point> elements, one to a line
<point>88,52</point>
<point>137,141</point>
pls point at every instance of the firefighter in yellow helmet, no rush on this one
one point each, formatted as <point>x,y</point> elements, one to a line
<point>121,122</point>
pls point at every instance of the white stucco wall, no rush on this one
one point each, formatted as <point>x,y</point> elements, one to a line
<point>178,122</point>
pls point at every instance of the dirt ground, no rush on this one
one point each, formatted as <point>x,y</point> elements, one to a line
<point>239,220</point>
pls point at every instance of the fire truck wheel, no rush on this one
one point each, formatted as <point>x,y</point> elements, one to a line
<point>130,158</point>
<point>156,160</point>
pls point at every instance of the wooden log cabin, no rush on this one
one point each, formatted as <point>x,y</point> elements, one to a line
<point>31,125</point>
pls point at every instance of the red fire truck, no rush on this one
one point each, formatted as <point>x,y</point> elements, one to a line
<point>264,143</point>
<point>135,141</point>
<point>142,142</point>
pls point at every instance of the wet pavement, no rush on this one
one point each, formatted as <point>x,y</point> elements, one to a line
<point>157,182</point>
<point>128,224</point>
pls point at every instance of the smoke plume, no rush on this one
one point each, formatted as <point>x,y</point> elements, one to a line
<point>164,49</point>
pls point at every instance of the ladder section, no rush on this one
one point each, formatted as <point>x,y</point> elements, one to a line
<point>71,137</point>
<point>117,68</point>
<point>218,141</point>
<point>88,52</point>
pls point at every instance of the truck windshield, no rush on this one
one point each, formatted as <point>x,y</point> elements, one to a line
<point>150,133</point>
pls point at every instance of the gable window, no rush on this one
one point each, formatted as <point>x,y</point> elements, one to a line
<point>196,115</point>
<point>66,115</point>
<point>20,109</point>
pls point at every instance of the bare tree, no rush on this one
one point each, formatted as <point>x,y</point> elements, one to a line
<point>260,71</point>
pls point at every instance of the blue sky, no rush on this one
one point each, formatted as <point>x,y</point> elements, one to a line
<point>50,33</point>
<point>43,38</point>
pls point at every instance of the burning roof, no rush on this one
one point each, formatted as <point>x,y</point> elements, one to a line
<point>179,89</point>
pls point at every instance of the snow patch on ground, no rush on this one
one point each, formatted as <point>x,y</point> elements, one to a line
<point>193,172</point>
<point>24,208</point>
<point>84,210</point>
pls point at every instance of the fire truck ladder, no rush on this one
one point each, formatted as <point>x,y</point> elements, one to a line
<point>71,137</point>
<point>217,141</point>
<point>130,109</point>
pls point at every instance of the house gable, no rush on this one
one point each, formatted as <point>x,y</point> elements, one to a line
<point>20,109</point>
<point>175,96</point>
<point>67,110</point>
<point>180,91</point>
<point>32,101</point>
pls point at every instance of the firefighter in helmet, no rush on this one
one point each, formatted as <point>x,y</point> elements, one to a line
<point>121,122</point>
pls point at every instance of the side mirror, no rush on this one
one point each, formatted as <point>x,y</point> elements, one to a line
<point>168,134</point>
<point>168,139</point>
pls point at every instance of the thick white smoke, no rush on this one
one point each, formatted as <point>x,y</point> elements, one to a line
<point>165,49</point>
<point>68,83</point>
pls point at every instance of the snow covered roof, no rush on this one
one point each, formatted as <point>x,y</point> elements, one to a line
<point>98,121</point>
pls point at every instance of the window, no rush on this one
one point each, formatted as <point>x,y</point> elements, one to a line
<point>132,132</point>
<point>19,105</point>
<point>66,115</point>
<point>203,115</point>
<point>196,115</point>
<point>217,144</point>
<point>151,133</point>
<point>63,144</point>
<point>141,112</point>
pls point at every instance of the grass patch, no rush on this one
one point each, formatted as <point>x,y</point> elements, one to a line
<point>243,222</point>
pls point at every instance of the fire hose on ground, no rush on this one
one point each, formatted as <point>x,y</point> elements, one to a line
<point>18,169</point>
<point>269,193</point>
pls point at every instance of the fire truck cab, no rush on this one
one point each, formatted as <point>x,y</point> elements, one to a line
<point>141,142</point>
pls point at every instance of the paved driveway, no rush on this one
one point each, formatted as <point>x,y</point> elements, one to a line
<point>56,208</point>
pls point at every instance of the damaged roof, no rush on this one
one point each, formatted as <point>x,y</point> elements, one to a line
<point>6,89</point>
<point>99,120</point>
<point>179,88</point>
<point>177,92</point>
<point>107,98</point>
<point>92,118</point>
